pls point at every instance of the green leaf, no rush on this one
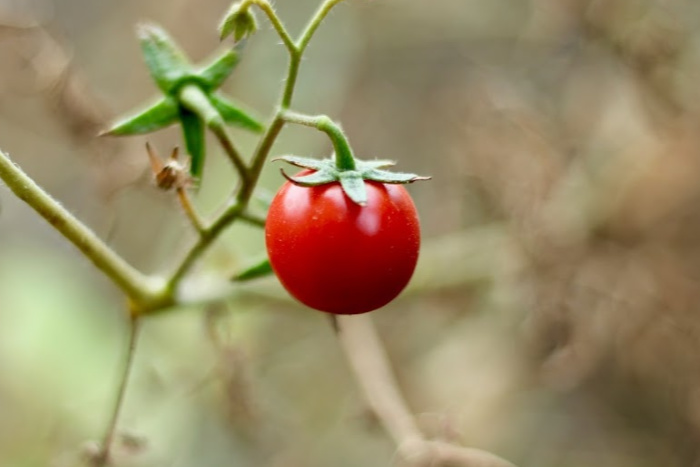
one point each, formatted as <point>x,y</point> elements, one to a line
<point>233,114</point>
<point>354,186</point>
<point>221,68</point>
<point>193,133</point>
<point>159,115</point>
<point>257,269</point>
<point>166,62</point>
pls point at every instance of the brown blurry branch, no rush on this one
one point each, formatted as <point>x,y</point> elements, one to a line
<point>371,367</point>
<point>78,108</point>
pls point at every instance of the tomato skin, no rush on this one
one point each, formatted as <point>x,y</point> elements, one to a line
<point>336,256</point>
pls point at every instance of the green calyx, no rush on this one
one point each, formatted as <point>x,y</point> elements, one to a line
<point>351,180</point>
<point>190,95</point>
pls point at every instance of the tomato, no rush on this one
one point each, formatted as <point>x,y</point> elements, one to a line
<point>336,256</point>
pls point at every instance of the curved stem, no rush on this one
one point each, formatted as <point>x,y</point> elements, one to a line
<point>372,369</point>
<point>265,6</point>
<point>189,210</point>
<point>108,440</point>
<point>144,291</point>
<point>296,52</point>
<point>314,23</point>
<point>343,152</point>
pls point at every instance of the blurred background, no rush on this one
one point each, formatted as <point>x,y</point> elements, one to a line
<point>553,318</point>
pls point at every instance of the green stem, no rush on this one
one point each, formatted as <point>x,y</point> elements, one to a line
<point>265,6</point>
<point>296,52</point>
<point>103,457</point>
<point>344,158</point>
<point>314,23</point>
<point>189,210</point>
<point>253,219</point>
<point>144,291</point>
<point>291,81</point>
<point>210,234</point>
<point>194,99</point>
<point>268,139</point>
<point>207,236</point>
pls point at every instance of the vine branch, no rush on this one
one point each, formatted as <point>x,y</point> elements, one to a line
<point>372,370</point>
<point>237,208</point>
<point>265,6</point>
<point>145,292</point>
<point>189,209</point>
<point>103,457</point>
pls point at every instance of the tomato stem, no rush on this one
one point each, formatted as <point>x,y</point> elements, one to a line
<point>344,158</point>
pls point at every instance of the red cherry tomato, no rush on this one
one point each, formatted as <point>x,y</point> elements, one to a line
<point>336,256</point>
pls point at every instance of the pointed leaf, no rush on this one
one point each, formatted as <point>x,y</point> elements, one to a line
<point>217,71</point>
<point>155,117</point>
<point>193,133</point>
<point>233,114</point>
<point>354,186</point>
<point>257,269</point>
<point>321,177</point>
<point>392,177</point>
<point>305,162</point>
<point>166,62</point>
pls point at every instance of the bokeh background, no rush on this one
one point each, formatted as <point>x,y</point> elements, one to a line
<point>554,315</point>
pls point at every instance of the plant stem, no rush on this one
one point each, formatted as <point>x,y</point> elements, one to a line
<point>144,291</point>
<point>265,6</point>
<point>290,83</point>
<point>250,180</point>
<point>296,53</point>
<point>252,219</point>
<point>189,210</point>
<point>314,23</point>
<point>108,440</point>
<point>372,370</point>
<point>196,101</point>
<point>224,138</point>
<point>343,152</point>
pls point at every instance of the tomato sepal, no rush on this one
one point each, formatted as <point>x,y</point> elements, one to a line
<point>352,181</point>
